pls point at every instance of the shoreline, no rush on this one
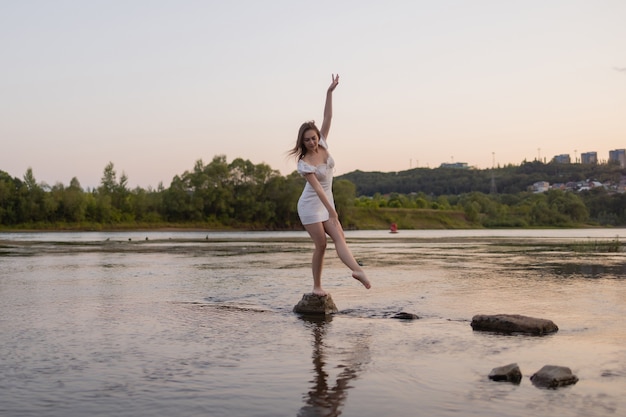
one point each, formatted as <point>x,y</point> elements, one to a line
<point>252,229</point>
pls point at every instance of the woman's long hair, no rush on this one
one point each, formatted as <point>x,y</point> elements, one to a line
<point>299,150</point>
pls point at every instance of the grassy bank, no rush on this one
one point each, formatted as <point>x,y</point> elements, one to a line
<point>354,218</point>
<point>365,218</point>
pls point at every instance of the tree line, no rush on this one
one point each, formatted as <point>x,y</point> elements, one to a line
<point>509,179</point>
<point>219,193</point>
<point>554,208</point>
<point>240,194</point>
<point>500,197</point>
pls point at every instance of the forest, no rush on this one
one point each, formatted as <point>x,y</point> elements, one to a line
<point>243,195</point>
<point>510,179</point>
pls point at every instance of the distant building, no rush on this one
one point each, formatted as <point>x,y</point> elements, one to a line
<point>619,156</point>
<point>456,165</point>
<point>621,187</point>
<point>589,158</point>
<point>588,185</point>
<point>540,187</point>
<point>562,159</point>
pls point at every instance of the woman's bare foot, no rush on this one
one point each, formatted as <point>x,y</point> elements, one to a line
<point>362,278</point>
<point>319,292</point>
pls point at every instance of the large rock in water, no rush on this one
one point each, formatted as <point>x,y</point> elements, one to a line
<point>513,323</point>
<point>316,304</point>
<point>551,376</point>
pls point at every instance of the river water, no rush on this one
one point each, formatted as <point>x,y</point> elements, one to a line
<point>201,324</point>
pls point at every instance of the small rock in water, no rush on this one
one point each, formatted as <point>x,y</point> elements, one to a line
<point>405,316</point>
<point>551,376</point>
<point>508,373</point>
<point>316,304</point>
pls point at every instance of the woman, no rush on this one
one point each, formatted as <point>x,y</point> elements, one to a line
<point>316,206</point>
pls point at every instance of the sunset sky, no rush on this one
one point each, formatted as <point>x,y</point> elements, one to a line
<point>154,85</point>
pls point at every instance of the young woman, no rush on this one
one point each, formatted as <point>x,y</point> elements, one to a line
<point>316,206</point>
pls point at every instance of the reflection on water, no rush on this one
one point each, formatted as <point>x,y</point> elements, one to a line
<point>182,324</point>
<point>324,399</point>
<point>589,270</point>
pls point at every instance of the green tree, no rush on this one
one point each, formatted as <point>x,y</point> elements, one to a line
<point>283,194</point>
<point>569,205</point>
<point>9,209</point>
<point>108,182</point>
<point>177,202</point>
<point>344,193</point>
<point>250,200</point>
<point>147,205</point>
<point>31,197</point>
<point>216,193</point>
<point>74,204</point>
<point>104,210</point>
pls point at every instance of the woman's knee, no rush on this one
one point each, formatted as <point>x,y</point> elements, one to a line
<point>318,234</point>
<point>320,244</point>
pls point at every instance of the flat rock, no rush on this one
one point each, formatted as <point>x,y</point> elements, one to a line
<point>551,376</point>
<point>508,373</point>
<point>315,304</point>
<point>405,316</point>
<point>513,323</point>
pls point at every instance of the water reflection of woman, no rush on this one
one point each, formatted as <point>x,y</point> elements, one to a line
<point>323,400</point>
<point>316,206</point>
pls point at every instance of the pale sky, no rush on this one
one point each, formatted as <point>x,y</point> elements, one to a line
<point>154,85</point>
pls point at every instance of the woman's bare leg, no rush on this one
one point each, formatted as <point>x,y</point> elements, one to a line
<point>318,234</point>
<point>335,231</point>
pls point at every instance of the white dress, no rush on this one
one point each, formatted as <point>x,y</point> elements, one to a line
<point>310,207</point>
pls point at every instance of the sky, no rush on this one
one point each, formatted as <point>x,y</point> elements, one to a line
<point>153,86</point>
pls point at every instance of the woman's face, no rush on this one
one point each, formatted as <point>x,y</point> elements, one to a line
<point>310,140</point>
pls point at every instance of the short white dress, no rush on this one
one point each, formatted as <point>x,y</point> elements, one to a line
<point>310,207</point>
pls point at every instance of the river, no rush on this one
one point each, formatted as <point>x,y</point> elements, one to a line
<point>181,323</point>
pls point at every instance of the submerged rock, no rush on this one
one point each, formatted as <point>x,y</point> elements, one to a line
<point>315,304</point>
<point>551,376</point>
<point>405,316</point>
<point>508,373</point>
<point>513,323</point>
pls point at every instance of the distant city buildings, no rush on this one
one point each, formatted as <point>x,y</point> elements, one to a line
<point>455,165</point>
<point>562,159</point>
<point>615,156</point>
<point>619,156</point>
<point>589,158</point>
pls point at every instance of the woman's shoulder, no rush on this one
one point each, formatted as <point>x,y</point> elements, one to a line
<point>305,168</point>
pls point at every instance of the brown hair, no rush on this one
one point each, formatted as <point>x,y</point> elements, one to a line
<point>299,150</point>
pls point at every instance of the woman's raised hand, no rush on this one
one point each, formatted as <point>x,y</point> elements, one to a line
<point>334,83</point>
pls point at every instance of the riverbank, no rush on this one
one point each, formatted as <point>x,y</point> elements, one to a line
<point>354,218</point>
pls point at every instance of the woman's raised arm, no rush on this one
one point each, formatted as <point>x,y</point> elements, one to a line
<point>328,107</point>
